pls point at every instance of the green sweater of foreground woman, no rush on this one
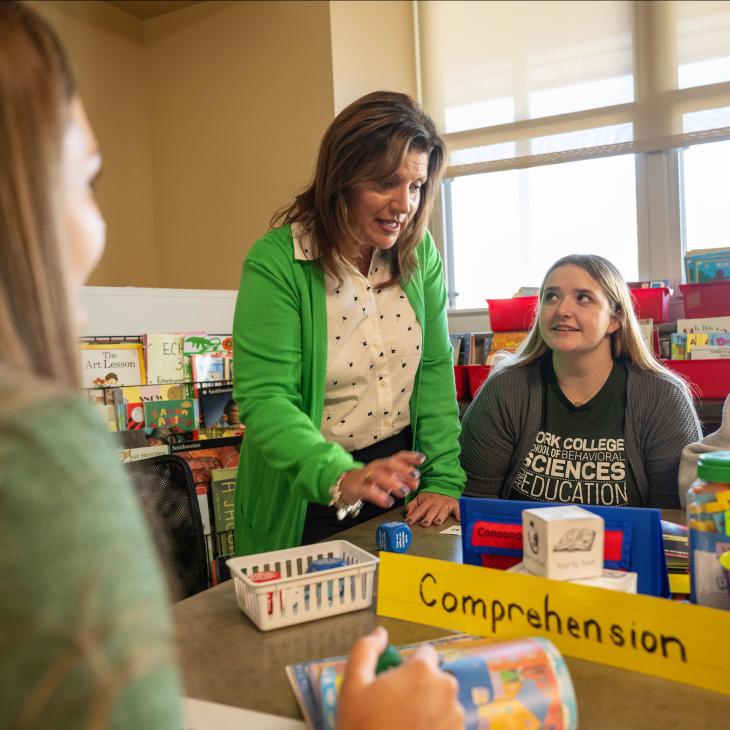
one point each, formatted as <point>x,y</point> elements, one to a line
<point>85,631</point>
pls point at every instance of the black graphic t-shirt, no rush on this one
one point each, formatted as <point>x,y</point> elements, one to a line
<point>579,453</point>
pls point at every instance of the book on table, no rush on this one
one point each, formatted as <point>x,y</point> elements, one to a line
<point>522,683</point>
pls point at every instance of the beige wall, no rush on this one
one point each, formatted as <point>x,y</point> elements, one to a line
<point>209,119</point>
<point>372,48</point>
<point>240,94</point>
<point>106,49</point>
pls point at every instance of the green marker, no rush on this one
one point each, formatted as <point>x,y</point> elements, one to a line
<point>389,659</point>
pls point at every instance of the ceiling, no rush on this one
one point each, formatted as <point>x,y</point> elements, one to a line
<point>145,9</point>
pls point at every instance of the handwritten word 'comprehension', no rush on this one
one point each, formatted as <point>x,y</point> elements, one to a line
<point>655,636</point>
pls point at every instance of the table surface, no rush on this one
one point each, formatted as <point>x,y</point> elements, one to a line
<point>227,659</point>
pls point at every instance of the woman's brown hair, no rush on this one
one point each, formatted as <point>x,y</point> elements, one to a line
<point>368,140</point>
<point>36,88</point>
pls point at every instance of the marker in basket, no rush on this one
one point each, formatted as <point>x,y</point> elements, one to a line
<point>322,564</point>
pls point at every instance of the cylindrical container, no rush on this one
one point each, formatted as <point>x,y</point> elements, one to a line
<point>265,576</point>
<point>708,519</point>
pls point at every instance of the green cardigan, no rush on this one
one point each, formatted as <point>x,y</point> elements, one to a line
<point>280,361</point>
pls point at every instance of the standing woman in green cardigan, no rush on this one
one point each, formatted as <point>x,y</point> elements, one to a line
<point>343,366</point>
<point>86,634</point>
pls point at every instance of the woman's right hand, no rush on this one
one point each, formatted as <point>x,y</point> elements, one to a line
<point>416,695</point>
<point>395,475</point>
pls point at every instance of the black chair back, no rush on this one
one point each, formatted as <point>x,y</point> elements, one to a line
<point>165,487</point>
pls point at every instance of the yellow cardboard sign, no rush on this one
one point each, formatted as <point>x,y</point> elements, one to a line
<point>656,636</point>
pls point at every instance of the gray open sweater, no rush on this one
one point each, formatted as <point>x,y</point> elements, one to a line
<point>503,420</point>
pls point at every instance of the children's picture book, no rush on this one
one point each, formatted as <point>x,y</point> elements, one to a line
<point>203,344</point>
<point>223,490</point>
<point>515,684</point>
<point>650,284</point>
<point>481,343</point>
<point>164,358</point>
<point>202,493</point>
<point>134,398</point>
<point>170,417</point>
<point>212,367</point>
<point>202,463</point>
<point>679,346</point>
<point>508,341</point>
<point>151,393</point>
<point>112,364</point>
<point>705,324</point>
<point>218,409</point>
<point>456,346</point>
<point>711,346</point>
<point>143,452</point>
<point>109,402</point>
<point>708,352</point>
<point>707,265</point>
<point>108,414</point>
<point>694,339</point>
<point>647,330</point>
<point>719,339</point>
<point>464,348</point>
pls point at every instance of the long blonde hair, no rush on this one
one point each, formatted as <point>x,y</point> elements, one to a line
<point>36,88</point>
<point>627,342</point>
<point>368,140</point>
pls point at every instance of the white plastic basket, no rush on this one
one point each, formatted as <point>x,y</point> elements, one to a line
<point>299,596</point>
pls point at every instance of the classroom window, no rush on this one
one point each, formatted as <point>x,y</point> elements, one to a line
<point>508,227</point>
<point>562,122</point>
<point>705,169</point>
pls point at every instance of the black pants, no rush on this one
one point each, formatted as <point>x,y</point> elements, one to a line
<point>321,521</point>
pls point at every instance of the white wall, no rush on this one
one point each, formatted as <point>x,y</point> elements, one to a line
<point>135,311</point>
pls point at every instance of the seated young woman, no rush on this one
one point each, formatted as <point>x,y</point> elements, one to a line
<point>583,412</point>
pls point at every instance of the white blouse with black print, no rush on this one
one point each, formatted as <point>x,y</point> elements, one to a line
<point>373,352</point>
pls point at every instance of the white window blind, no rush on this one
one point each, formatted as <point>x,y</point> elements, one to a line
<point>522,84</point>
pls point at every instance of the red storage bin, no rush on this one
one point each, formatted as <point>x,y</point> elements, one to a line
<point>651,303</point>
<point>711,299</point>
<point>711,377</point>
<point>476,375</point>
<point>512,315</point>
<point>462,386</point>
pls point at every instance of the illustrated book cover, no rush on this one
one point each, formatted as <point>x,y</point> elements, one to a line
<point>164,358</point>
<point>508,341</point>
<point>203,344</point>
<point>112,364</point>
<point>515,684</point>
<point>171,417</point>
<point>223,491</point>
